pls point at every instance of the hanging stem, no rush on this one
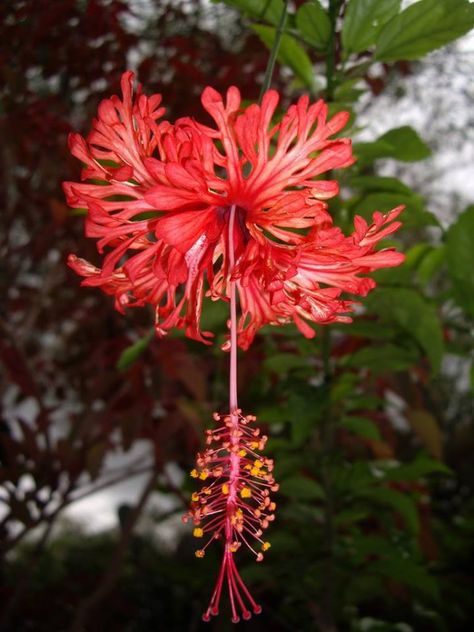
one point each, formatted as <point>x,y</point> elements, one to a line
<point>274,52</point>
<point>233,319</point>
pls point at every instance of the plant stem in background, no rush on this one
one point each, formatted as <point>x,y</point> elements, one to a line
<point>274,52</point>
<point>331,50</point>
<point>327,622</point>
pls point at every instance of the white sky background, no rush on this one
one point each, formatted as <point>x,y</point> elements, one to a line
<point>438,102</point>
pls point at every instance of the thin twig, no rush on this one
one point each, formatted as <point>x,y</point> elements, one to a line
<point>274,52</point>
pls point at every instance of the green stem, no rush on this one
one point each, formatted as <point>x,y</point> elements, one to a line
<point>274,52</point>
<point>331,50</point>
<point>328,618</point>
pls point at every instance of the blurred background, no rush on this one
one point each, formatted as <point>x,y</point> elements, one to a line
<point>370,424</point>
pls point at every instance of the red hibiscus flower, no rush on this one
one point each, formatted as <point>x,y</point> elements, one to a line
<point>159,196</point>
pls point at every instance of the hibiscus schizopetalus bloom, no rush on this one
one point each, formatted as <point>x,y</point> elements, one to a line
<point>234,210</point>
<point>158,198</point>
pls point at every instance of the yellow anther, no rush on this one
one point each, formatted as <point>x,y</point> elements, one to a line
<point>266,546</point>
<point>255,471</point>
<point>198,532</point>
<point>194,473</point>
<point>234,547</point>
<point>242,452</point>
<point>258,463</point>
<point>195,497</point>
<point>207,491</point>
<point>245,492</point>
<point>203,475</point>
<point>200,553</point>
<point>254,444</point>
<point>225,489</point>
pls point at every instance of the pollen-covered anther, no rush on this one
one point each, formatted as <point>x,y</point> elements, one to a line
<point>200,553</point>
<point>246,492</point>
<point>198,532</point>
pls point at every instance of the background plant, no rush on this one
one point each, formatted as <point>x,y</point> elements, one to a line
<point>371,424</point>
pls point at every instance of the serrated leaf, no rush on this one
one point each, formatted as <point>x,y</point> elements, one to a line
<point>134,351</point>
<point>361,426</point>
<point>423,27</point>
<point>397,501</point>
<point>290,53</point>
<point>406,144</point>
<point>314,25</point>
<point>419,468</point>
<point>402,143</point>
<point>383,358</point>
<point>301,488</point>
<point>363,21</point>
<point>416,317</point>
<point>406,572</point>
<point>460,259</point>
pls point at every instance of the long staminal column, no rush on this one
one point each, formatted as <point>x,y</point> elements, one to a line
<point>236,506</point>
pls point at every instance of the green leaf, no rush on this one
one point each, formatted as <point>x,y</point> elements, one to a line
<point>419,468</point>
<point>416,317</point>
<point>430,264</point>
<point>406,144</point>
<point>268,10</point>
<point>133,352</point>
<point>423,27</point>
<point>301,488</point>
<point>415,254</point>
<point>460,259</point>
<point>314,25</point>
<point>379,183</point>
<point>425,425</point>
<point>290,54</point>
<point>361,426</point>
<point>406,572</point>
<point>397,501</point>
<point>363,20</point>
<point>383,358</point>
<point>402,143</point>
